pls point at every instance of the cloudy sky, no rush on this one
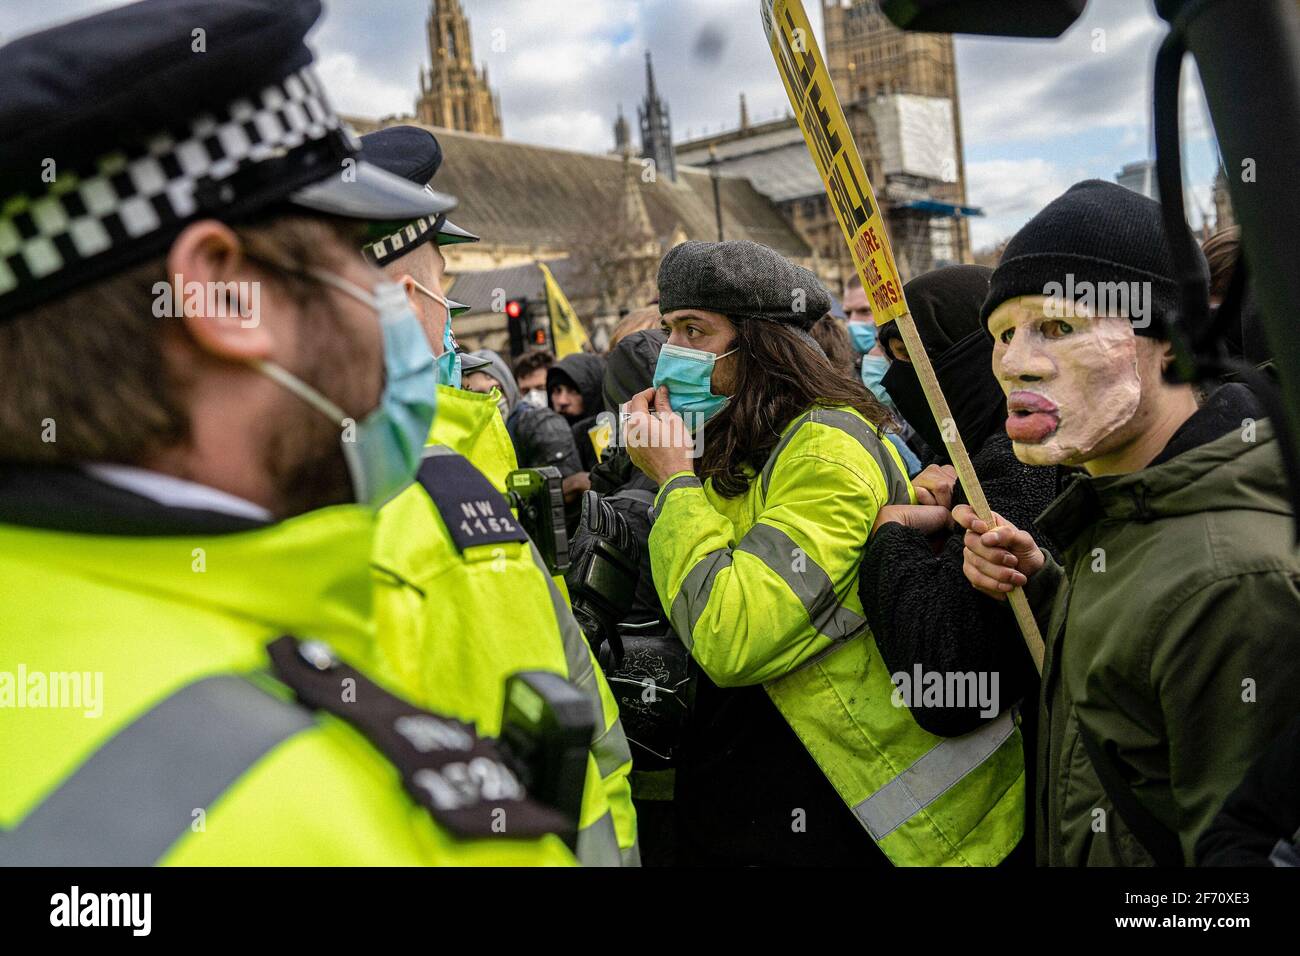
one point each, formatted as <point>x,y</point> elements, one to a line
<point>1036,115</point>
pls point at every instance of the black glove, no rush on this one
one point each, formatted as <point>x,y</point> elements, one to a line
<point>602,575</point>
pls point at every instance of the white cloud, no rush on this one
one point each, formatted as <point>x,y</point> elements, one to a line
<point>360,92</point>
<point>1030,90</point>
<point>1010,191</point>
<point>562,67</point>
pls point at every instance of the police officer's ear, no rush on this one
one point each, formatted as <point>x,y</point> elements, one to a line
<point>221,293</point>
<point>407,282</point>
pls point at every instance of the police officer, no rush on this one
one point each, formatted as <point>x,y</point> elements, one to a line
<point>465,601</point>
<point>205,392</point>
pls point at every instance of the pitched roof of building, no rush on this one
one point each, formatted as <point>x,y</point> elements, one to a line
<point>772,155</point>
<point>519,194</point>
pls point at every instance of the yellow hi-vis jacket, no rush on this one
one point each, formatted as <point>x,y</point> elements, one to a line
<point>454,623</point>
<point>763,588</point>
<point>187,754</point>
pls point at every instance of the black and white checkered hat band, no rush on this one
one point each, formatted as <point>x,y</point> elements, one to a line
<point>399,243</point>
<point>132,194</point>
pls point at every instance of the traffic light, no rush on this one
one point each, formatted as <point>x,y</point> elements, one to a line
<point>517,326</point>
<point>529,326</point>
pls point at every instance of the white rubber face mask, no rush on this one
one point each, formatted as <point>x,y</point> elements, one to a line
<point>1070,383</point>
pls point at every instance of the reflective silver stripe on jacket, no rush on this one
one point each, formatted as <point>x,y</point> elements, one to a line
<point>810,584</point>
<point>681,481</point>
<point>777,550</point>
<point>931,776</point>
<point>609,745</point>
<point>871,442</point>
<point>598,844</point>
<point>693,595</point>
<point>136,795</point>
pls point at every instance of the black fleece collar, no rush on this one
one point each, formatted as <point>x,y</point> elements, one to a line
<point>61,498</point>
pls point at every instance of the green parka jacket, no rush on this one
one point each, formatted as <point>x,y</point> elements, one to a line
<point>1174,634</point>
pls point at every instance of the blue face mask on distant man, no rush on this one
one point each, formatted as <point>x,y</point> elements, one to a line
<point>863,336</point>
<point>382,451</point>
<point>874,368</point>
<point>688,375</point>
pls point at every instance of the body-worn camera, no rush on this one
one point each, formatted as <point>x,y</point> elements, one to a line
<point>537,495</point>
<point>547,726</point>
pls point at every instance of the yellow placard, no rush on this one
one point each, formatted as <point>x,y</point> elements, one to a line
<point>830,140</point>
<point>566,330</point>
<point>601,435</point>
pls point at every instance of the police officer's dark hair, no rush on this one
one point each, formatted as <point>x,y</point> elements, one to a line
<point>780,374</point>
<point>91,363</point>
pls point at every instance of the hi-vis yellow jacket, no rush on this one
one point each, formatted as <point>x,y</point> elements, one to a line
<point>184,752</point>
<point>453,623</point>
<point>762,588</point>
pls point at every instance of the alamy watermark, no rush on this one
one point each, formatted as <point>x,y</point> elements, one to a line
<point>960,689</point>
<point>218,300</point>
<point>57,690</point>
<point>1090,299</point>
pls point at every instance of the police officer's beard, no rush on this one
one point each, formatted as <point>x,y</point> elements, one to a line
<point>305,457</point>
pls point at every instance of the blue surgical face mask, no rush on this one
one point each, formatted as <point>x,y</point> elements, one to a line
<point>382,451</point>
<point>874,368</point>
<point>688,374</point>
<point>449,370</point>
<point>863,336</point>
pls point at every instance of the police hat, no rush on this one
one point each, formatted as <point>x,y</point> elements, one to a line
<point>415,155</point>
<point>117,130</point>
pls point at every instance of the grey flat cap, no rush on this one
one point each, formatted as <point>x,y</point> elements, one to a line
<point>742,280</point>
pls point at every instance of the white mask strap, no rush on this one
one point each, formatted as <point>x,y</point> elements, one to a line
<point>346,287</point>
<point>300,388</point>
<point>434,296</point>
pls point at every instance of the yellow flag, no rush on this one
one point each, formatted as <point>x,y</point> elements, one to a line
<point>566,331</point>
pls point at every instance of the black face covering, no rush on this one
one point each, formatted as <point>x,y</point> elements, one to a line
<point>965,373</point>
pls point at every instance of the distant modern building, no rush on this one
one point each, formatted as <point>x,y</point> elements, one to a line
<point>1140,177</point>
<point>899,94</point>
<point>453,93</point>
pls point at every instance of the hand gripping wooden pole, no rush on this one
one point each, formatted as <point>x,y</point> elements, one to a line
<point>830,141</point>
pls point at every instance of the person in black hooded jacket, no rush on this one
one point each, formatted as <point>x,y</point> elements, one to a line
<point>920,607</point>
<point>630,369</point>
<point>574,385</point>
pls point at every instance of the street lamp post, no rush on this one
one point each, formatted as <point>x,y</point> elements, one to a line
<point>717,195</point>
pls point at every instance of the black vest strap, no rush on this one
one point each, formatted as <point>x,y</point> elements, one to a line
<point>457,776</point>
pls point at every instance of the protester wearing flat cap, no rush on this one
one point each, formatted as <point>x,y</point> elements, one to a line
<point>456,642</point>
<point>771,469</point>
<point>205,393</point>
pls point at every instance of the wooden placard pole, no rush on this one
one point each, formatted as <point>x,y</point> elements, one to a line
<point>834,152</point>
